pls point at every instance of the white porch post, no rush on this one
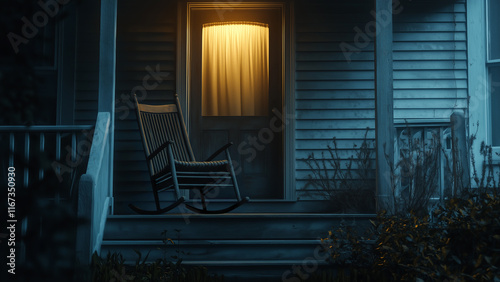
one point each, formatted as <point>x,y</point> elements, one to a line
<point>477,80</point>
<point>384,120</point>
<point>107,63</point>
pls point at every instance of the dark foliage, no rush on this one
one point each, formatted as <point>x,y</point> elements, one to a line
<point>114,268</point>
<point>46,223</point>
<point>459,241</point>
<point>415,176</point>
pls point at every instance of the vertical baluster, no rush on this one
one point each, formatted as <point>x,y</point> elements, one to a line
<point>58,158</point>
<point>441,164</point>
<point>58,151</point>
<point>11,149</point>
<point>24,222</point>
<point>73,160</point>
<point>73,147</point>
<point>22,251</point>
<point>42,150</point>
<point>58,146</point>
<point>40,177</point>
<point>26,158</point>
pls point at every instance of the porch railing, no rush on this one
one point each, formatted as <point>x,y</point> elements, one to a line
<point>59,159</point>
<point>95,192</point>
<point>444,143</point>
<point>415,139</point>
<point>25,143</point>
<point>46,161</point>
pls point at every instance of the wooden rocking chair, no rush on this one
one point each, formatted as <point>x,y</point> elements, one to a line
<point>171,161</point>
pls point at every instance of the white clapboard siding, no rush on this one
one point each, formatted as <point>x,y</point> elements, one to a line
<point>334,96</point>
<point>430,60</point>
<point>334,90</point>
<point>146,40</point>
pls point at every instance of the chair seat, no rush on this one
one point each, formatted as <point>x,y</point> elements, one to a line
<point>201,166</point>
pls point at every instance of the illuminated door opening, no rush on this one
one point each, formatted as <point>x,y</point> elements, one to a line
<point>235,88</point>
<point>235,69</point>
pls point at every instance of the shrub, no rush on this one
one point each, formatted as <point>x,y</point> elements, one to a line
<point>487,179</point>
<point>460,241</point>
<point>114,268</point>
<point>415,175</point>
<point>349,184</point>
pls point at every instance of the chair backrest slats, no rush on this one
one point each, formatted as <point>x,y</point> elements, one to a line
<point>159,124</point>
<point>159,139</point>
<point>152,139</point>
<point>174,127</point>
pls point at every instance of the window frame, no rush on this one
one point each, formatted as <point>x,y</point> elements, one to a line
<point>488,48</point>
<point>479,106</point>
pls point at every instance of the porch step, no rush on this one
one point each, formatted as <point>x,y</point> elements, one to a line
<point>239,246</point>
<point>217,250</point>
<point>144,200</point>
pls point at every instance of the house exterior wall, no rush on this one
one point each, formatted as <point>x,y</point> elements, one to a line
<point>334,75</point>
<point>335,88</point>
<point>87,62</point>
<point>430,61</point>
<point>146,66</point>
<point>334,81</point>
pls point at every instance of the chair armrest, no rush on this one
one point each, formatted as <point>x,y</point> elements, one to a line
<point>159,149</point>
<point>222,149</point>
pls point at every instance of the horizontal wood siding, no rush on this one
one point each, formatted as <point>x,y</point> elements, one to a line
<point>87,62</point>
<point>145,64</point>
<point>334,88</point>
<point>335,91</point>
<point>430,60</point>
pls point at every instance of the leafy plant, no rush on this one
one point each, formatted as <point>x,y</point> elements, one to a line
<point>109,269</point>
<point>348,247</point>
<point>482,178</point>
<point>46,210</point>
<point>487,179</point>
<point>114,267</point>
<point>459,242</point>
<point>415,176</point>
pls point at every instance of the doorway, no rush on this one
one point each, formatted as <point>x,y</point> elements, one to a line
<point>236,99</point>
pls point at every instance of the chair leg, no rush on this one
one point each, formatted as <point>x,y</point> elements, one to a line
<point>238,203</point>
<point>157,199</point>
<point>233,176</point>
<point>179,199</point>
<point>173,170</point>
<point>202,197</point>
<point>228,209</point>
<point>158,211</point>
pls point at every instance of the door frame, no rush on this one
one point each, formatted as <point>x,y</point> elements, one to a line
<point>184,9</point>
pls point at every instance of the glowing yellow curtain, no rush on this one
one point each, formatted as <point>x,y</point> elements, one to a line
<point>235,69</point>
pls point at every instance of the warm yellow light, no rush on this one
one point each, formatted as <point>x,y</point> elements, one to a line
<point>235,69</point>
